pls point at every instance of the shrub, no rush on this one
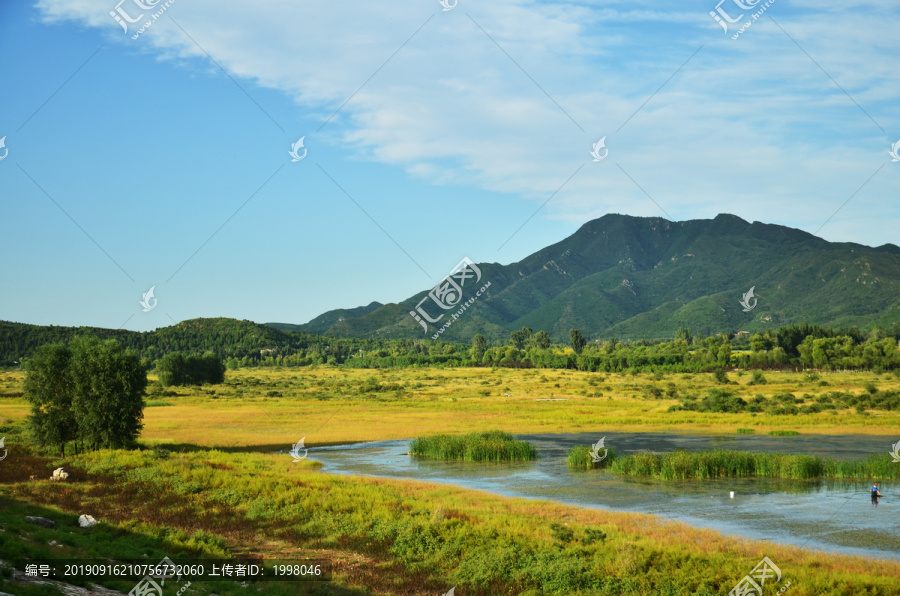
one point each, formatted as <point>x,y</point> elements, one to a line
<point>758,378</point>
<point>592,536</point>
<point>720,376</point>
<point>562,533</point>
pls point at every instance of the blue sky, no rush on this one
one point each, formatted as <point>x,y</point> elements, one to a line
<point>431,135</point>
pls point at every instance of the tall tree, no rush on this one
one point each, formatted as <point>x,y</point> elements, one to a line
<point>479,347</point>
<point>520,338</point>
<point>576,340</point>
<point>108,386</point>
<point>542,340</point>
<point>48,388</point>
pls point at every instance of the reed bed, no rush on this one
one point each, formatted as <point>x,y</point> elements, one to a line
<point>495,446</point>
<point>580,457</point>
<point>720,463</point>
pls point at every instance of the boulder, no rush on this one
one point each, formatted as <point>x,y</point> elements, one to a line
<point>59,474</point>
<point>41,521</point>
<point>86,521</point>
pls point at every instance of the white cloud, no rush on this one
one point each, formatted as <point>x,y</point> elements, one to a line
<point>750,126</point>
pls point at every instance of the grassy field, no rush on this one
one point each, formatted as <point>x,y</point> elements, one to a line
<point>212,486</point>
<point>272,408</point>
<point>383,536</point>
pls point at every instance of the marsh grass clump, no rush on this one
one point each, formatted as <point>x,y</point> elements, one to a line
<point>720,463</point>
<point>783,433</point>
<point>580,457</point>
<point>492,445</point>
<point>745,431</point>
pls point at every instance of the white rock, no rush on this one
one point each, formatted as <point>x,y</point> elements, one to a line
<point>86,521</point>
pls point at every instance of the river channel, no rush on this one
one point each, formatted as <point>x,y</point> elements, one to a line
<point>832,516</point>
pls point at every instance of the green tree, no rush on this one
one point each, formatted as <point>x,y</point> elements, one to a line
<point>108,386</point>
<point>685,334</point>
<point>519,338</point>
<point>576,340</point>
<point>48,388</point>
<point>180,369</point>
<point>541,339</point>
<point>760,343</point>
<point>90,391</point>
<point>724,354</point>
<point>479,347</point>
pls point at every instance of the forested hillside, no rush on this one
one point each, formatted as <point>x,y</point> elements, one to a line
<point>647,277</point>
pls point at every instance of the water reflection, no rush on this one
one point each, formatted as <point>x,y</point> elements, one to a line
<point>832,515</point>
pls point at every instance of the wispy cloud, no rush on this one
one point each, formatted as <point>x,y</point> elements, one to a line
<point>749,126</point>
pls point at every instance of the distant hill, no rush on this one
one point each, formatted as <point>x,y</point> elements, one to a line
<point>644,277</point>
<point>325,321</point>
<point>228,338</point>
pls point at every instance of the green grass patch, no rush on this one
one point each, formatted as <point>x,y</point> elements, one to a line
<point>721,463</point>
<point>156,403</point>
<point>745,431</point>
<point>580,457</point>
<point>783,433</point>
<point>492,445</point>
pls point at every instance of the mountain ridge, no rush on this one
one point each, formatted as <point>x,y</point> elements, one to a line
<point>644,277</point>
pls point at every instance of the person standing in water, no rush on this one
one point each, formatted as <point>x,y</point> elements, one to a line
<point>875,494</point>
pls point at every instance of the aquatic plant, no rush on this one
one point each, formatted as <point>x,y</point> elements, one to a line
<point>720,463</point>
<point>580,457</point>
<point>492,445</point>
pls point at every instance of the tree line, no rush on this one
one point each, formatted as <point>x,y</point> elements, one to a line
<point>789,346</point>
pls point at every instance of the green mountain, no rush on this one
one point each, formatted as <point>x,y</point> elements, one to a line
<point>644,277</point>
<point>325,321</point>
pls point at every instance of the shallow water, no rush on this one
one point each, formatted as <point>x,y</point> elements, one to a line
<point>833,516</point>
